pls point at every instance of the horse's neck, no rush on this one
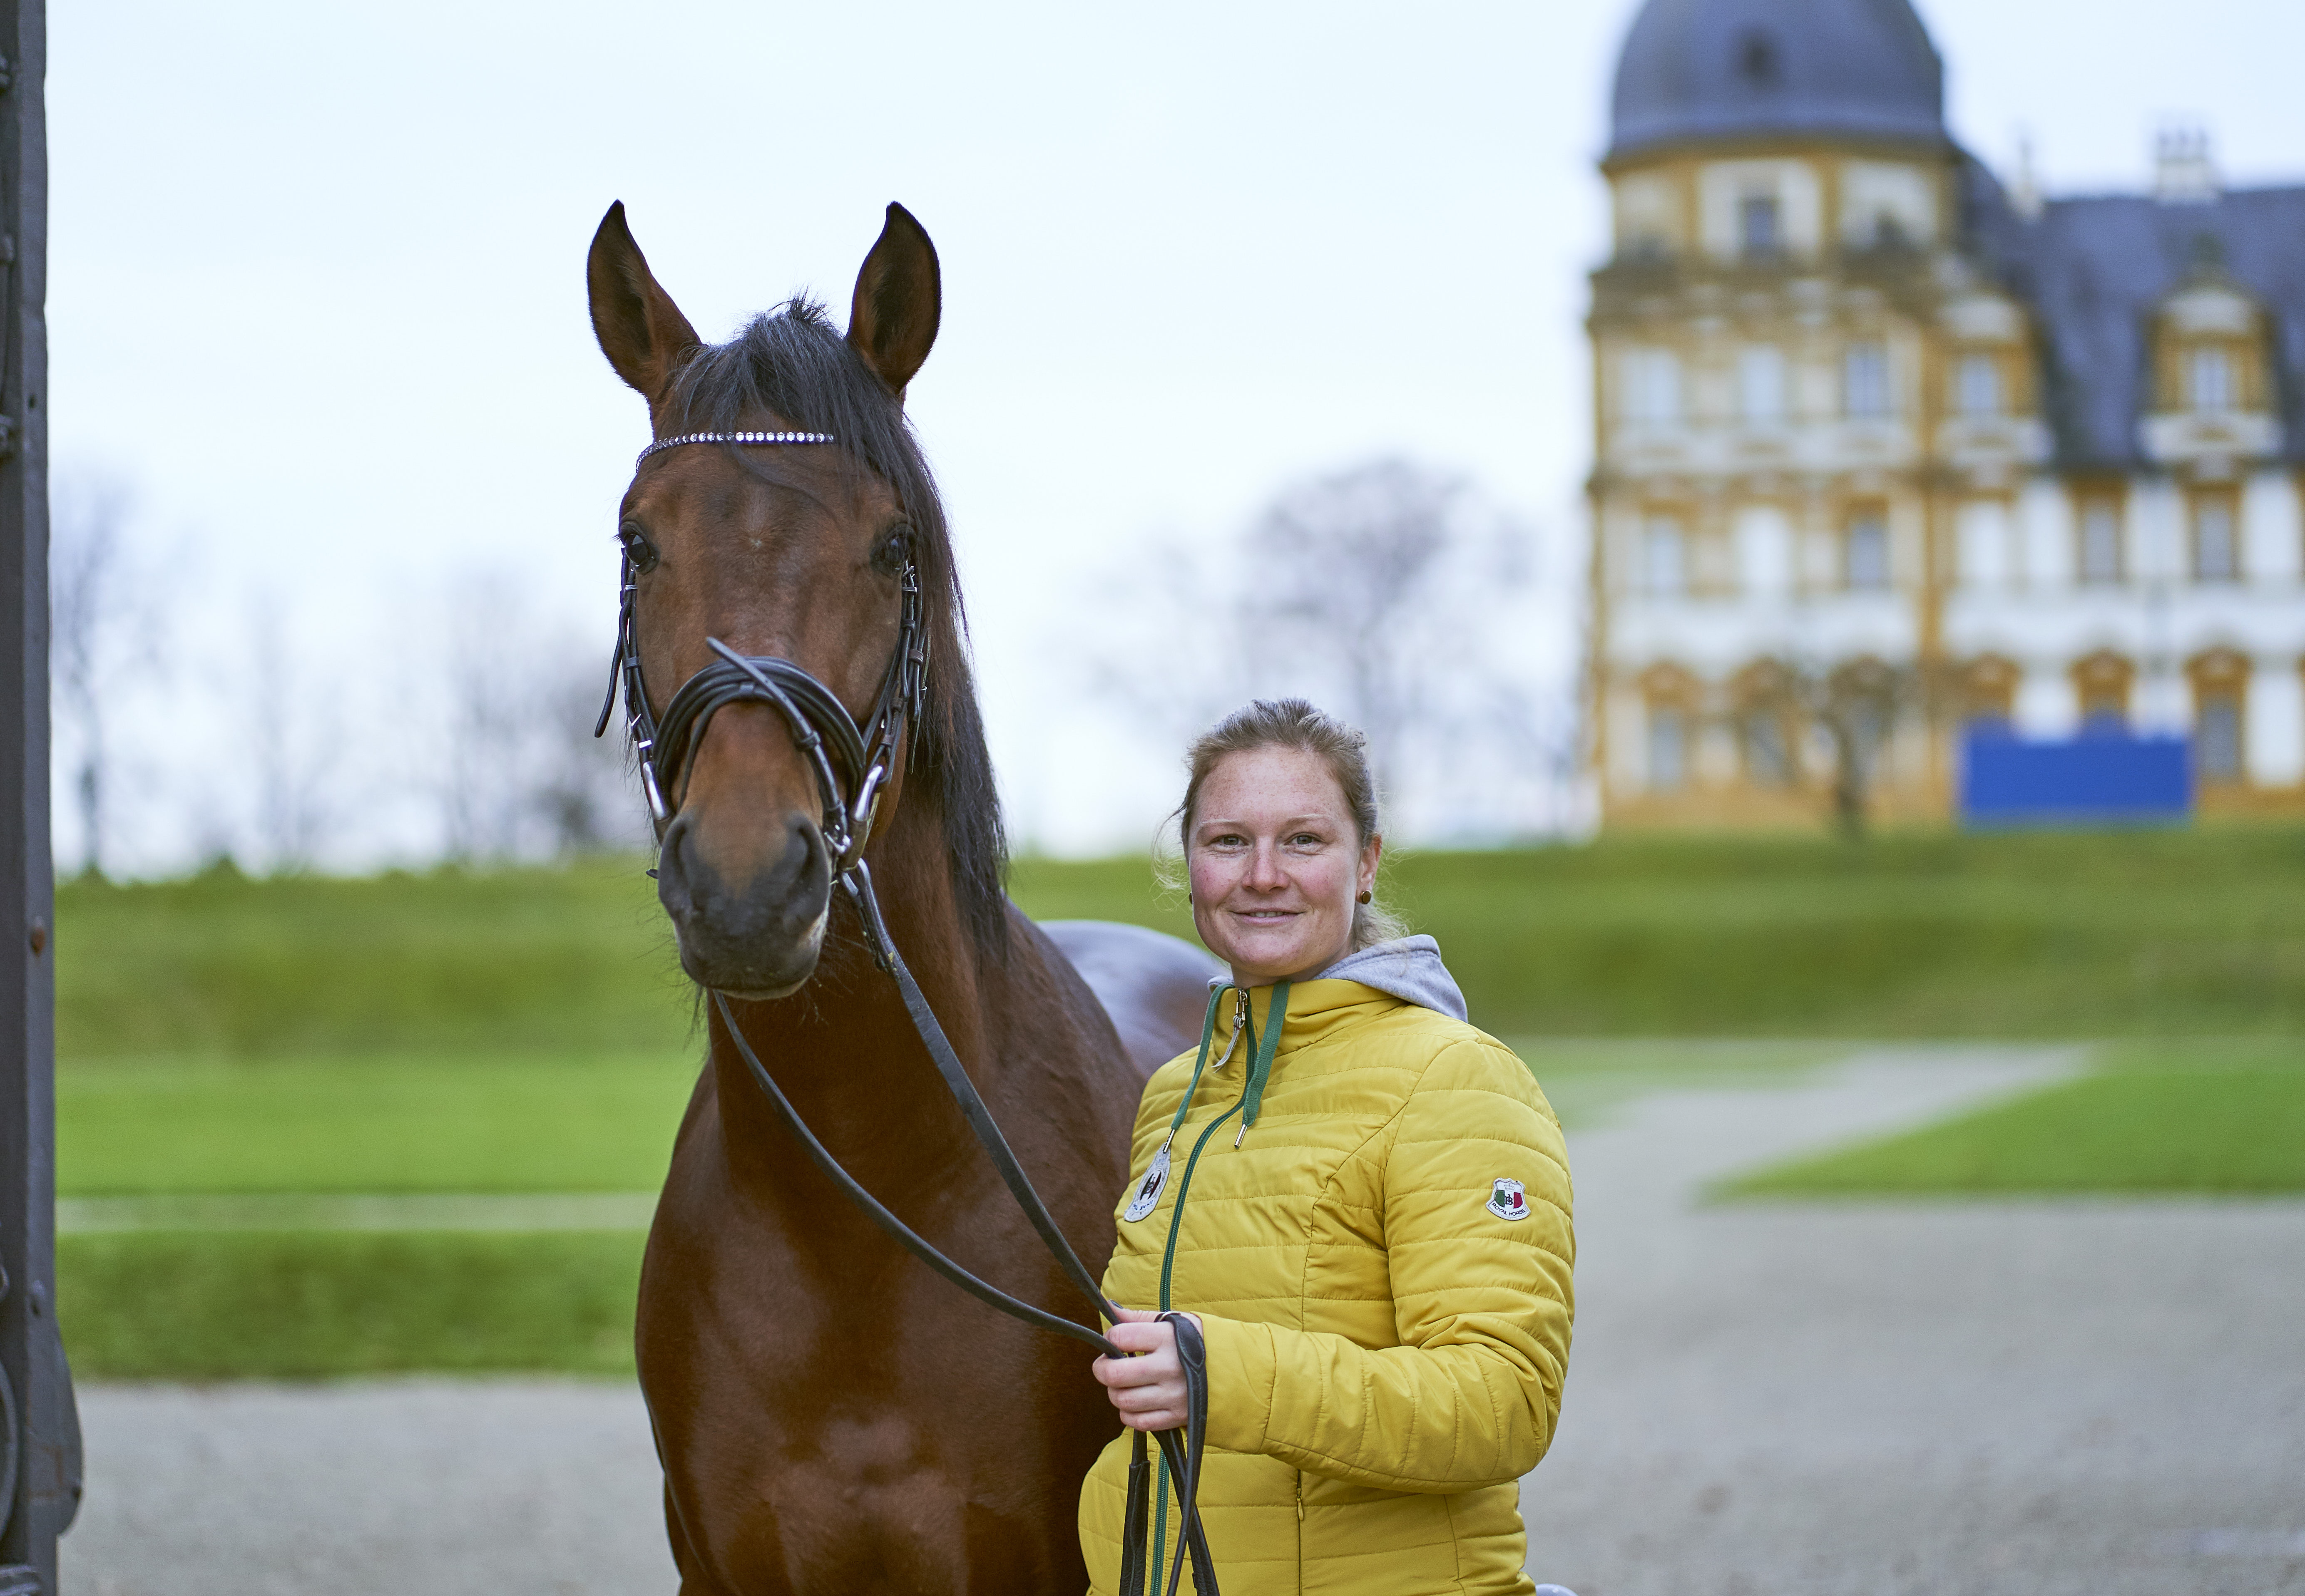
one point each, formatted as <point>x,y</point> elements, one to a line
<point>844,1048</point>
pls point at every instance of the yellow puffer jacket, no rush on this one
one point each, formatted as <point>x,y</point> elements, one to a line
<point>1381,1265</point>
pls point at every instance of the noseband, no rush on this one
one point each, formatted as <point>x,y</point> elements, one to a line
<point>851,768</point>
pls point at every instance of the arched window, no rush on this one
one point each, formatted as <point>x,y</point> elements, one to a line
<point>2220,682</point>
<point>2101,681</point>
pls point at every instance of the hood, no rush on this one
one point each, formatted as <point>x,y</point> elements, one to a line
<point>1408,968</point>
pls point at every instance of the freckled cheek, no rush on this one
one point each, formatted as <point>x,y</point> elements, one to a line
<point>1209,878</point>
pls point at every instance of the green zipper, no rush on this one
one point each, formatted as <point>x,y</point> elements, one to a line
<point>1252,1091</point>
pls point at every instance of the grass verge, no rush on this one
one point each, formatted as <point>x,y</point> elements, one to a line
<point>2171,1125</point>
<point>163,1305</point>
<point>1922,934</point>
<point>373,1124</point>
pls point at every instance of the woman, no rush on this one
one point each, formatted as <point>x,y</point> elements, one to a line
<point>1363,1201</point>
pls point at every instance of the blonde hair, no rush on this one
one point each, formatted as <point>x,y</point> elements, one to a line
<point>1293,722</point>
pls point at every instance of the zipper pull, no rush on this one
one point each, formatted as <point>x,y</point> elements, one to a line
<point>1300,1497</point>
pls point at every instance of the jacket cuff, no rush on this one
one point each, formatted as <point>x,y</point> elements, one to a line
<point>1242,1364</point>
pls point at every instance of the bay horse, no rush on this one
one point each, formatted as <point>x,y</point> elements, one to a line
<point>830,1416</point>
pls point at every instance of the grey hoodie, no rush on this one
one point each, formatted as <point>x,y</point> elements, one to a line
<point>1408,968</point>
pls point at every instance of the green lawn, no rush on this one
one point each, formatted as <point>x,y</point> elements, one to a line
<point>529,1031</point>
<point>577,960</point>
<point>395,1122</point>
<point>1936,934</point>
<point>259,1305</point>
<point>2218,1120</point>
<point>2197,933</point>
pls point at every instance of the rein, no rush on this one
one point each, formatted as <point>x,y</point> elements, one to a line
<point>851,765</point>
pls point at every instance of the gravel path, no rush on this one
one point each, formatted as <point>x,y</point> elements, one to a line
<point>2095,1398</point>
<point>1963,1397</point>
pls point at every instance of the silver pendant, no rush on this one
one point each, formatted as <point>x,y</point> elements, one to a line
<point>1148,1190</point>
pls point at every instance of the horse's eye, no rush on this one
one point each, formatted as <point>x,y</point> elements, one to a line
<point>637,547</point>
<point>894,551</point>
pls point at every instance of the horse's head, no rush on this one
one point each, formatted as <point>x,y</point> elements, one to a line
<point>791,551</point>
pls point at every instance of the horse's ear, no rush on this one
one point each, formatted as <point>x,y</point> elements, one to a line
<point>899,300</point>
<point>641,330</point>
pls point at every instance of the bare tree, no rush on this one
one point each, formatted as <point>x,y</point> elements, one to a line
<point>1339,588</point>
<point>1856,706</point>
<point>105,627</point>
<point>296,742</point>
<point>585,787</point>
<point>523,776</point>
<point>1373,590</point>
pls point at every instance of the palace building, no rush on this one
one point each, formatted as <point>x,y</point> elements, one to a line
<point>1891,457</point>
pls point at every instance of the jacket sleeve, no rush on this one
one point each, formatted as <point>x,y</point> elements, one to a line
<point>1481,1305</point>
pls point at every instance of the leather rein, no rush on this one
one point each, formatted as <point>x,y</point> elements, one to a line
<point>851,765</point>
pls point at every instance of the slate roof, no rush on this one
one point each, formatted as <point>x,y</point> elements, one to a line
<point>1699,70</point>
<point>2094,269</point>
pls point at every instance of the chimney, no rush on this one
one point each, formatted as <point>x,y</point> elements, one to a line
<point>2183,173</point>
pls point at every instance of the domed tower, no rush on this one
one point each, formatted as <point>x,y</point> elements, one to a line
<point>1771,340</point>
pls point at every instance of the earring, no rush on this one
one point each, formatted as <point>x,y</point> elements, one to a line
<point>1363,897</point>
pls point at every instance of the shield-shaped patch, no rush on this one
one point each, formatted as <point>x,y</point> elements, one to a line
<point>1508,1200</point>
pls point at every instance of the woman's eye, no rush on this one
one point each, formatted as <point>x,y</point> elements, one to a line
<point>1304,839</point>
<point>638,549</point>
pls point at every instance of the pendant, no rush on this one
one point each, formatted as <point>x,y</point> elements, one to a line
<point>1148,1190</point>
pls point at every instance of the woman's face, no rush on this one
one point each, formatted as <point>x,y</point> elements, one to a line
<point>1275,865</point>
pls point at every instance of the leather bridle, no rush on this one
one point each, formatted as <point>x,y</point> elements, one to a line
<point>852,767</point>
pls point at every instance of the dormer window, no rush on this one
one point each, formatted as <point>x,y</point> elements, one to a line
<point>2209,380</point>
<point>1759,235</point>
<point>1976,385</point>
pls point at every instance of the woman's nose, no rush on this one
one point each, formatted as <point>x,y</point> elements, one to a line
<point>1265,874</point>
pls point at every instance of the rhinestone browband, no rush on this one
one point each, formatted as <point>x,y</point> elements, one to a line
<point>734,437</point>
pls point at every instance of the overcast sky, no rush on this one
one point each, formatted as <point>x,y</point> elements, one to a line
<point>317,288</point>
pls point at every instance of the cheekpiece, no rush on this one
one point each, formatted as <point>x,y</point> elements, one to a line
<point>733,437</point>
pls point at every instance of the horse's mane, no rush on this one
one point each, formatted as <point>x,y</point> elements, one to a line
<point>792,363</point>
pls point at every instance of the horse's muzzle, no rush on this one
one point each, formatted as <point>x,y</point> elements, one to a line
<point>751,928</point>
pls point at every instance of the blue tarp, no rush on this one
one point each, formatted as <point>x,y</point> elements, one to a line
<point>2101,778</point>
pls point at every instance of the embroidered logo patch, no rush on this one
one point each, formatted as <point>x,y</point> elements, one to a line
<point>1508,1200</point>
<point>1148,1190</point>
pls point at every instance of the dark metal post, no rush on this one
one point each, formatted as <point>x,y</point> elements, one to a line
<point>39,1472</point>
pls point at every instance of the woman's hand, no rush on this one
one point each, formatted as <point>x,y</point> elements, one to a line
<point>1148,1390</point>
